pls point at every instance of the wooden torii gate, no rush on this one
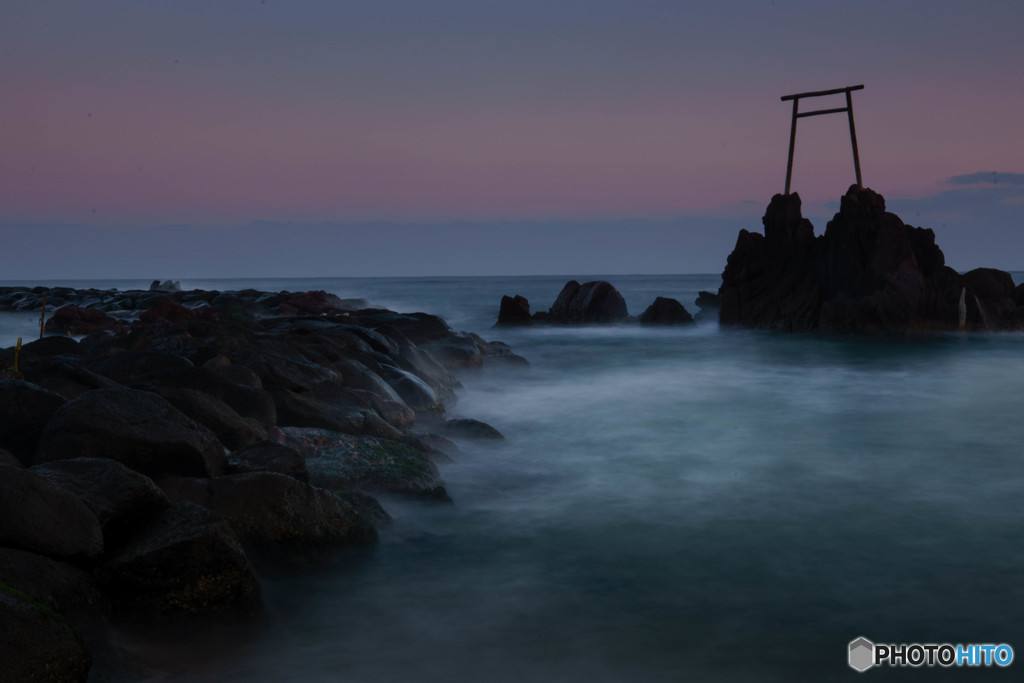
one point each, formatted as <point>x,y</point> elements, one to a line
<point>798,115</point>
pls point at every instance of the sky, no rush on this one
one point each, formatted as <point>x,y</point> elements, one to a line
<point>250,138</point>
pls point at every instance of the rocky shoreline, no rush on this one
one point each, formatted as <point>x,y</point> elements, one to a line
<point>153,468</point>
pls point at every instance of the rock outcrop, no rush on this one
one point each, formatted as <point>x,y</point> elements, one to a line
<point>868,272</point>
<point>142,466</point>
<point>665,311</point>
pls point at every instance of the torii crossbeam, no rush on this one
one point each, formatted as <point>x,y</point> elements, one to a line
<point>797,115</point>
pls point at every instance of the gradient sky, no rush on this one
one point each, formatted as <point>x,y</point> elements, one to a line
<point>248,138</point>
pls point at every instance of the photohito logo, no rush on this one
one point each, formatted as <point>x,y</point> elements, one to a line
<point>862,654</point>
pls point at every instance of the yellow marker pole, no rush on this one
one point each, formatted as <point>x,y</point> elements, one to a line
<point>17,350</point>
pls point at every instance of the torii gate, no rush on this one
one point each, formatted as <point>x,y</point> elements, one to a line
<point>796,115</point>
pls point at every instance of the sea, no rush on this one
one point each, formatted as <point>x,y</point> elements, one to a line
<point>670,504</point>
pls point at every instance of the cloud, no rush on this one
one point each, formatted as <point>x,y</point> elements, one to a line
<point>988,178</point>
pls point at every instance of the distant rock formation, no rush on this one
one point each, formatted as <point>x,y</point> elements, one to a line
<point>867,272</point>
<point>665,311</point>
<point>594,303</point>
<point>591,302</point>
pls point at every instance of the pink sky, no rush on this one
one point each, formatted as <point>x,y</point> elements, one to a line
<point>119,114</point>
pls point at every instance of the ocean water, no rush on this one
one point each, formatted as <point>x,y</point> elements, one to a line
<point>679,504</point>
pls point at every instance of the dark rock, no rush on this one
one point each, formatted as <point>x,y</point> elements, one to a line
<point>165,286</point>
<point>24,411</point>
<point>514,311</point>
<point>272,513</point>
<point>591,302</point>
<point>414,391</point>
<point>36,644</point>
<point>342,462</point>
<point>187,562</point>
<point>311,303</point>
<point>455,352</point>
<point>666,311</point>
<point>268,456</point>
<point>122,499</point>
<point>437,447</point>
<point>471,429</point>
<point>229,427</point>
<point>75,320</point>
<point>247,401</point>
<point>416,327</point>
<point>498,353</point>
<point>989,283</point>
<point>67,379</point>
<point>69,591</point>
<point>137,428</point>
<point>129,366</point>
<point>168,310</point>
<point>238,374</point>
<point>868,272</point>
<point>707,301</point>
<point>306,410</point>
<point>48,347</point>
<point>38,516</point>
<point>7,458</point>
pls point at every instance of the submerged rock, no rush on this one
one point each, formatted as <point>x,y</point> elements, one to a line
<point>591,302</point>
<point>471,429</point>
<point>665,311</point>
<point>343,462</point>
<point>514,310</point>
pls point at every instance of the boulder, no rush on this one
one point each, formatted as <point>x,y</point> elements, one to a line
<point>274,514</point>
<point>168,310</point>
<point>707,301</point>
<point>455,352</point>
<point>129,366</point>
<point>137,428</point>
<point>311,303</point>
<point>343,462</point>
<point>665,311</point>
<point>38,516</point>
<point>36,644</point>
<point>233,430</point>
<point>471,429</point>
<point>187,562</point>
<point>122,499</point>
<point>7,458</point>
<point>500,354</point>
<point>514,310</point>
<point>591,302</point>
<point>49,347</point>
<point>235,388</point>
<point>69,591</point>
<point>414,391</point>
<point>24,410</point>
<point>989,283</point>
<point>307,410</point>
<point>268,456</point>
<point>80,321</point>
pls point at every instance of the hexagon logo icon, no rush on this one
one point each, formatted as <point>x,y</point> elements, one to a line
<point>862,654</point>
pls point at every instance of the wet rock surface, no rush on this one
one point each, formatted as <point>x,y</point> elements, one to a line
<point>175,435</point>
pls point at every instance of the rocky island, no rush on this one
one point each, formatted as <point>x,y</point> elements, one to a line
<point>185,438</point>
<point>868,272</point>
